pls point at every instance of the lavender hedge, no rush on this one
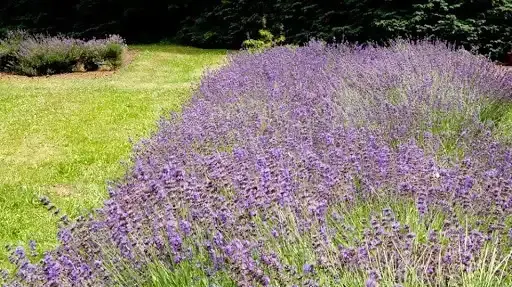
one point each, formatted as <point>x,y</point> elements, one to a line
<point>309,166</point>
<point>34,55</point>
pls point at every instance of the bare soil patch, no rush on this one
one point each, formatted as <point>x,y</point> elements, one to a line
<point>62,189</point>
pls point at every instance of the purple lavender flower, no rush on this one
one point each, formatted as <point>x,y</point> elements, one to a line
<point>295,141</point>
<point>186,227</point>
<point>307,268</point>
<point>52,269</point>
<point>372,280</point>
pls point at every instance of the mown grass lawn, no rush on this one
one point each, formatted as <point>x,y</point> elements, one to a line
<point>64,136</point>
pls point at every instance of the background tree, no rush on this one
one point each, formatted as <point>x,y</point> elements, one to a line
<point>484,24</point>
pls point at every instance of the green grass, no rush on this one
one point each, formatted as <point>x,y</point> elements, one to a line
<point>64,136</point>
<point>501,114</point>
<point>295,248</point>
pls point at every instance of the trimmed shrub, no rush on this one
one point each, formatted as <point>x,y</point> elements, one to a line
<point>105,52</point>
<point>41,55</point>
<point>112,54</point>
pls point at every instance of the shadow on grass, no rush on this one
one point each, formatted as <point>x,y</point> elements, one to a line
<point>176,49</point>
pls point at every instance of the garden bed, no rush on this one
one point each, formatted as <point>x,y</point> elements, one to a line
<point>127,58</point>
<point>37,55</point>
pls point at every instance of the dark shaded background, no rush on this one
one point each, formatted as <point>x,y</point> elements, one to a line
<point>484,24</point>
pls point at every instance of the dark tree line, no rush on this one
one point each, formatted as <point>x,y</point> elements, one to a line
<point>485,24</point>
